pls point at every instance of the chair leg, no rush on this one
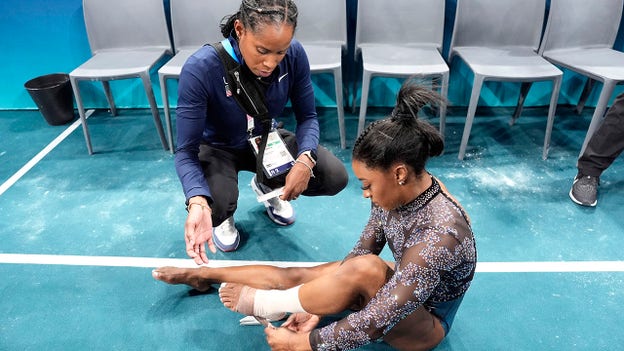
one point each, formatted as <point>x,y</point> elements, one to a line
<point>109,97</point>
<point>340,106</point>
<point>472,109</point>
<point>353,95</point>
<point>601,108</point>
<point>346,92</point>
<point>551,115</point>
<point>81,112</point>
<point>165,99</point>
<point>444,93</point>
<point>147,84</point>
<point>524,90</point>
<point>366,77</point>
<point>589,85</point>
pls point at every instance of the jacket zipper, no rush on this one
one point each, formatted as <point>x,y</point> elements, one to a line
<point>240,86</point>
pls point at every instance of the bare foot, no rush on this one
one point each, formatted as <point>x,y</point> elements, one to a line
<point>237,297</point>
<point>188,276</point>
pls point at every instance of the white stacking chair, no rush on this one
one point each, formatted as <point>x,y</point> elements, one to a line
<point>322,29</point>
<point>401,38</point>
<point>579,36</point>
<point>498,40</point>
<point>127,39</point>
<point>194,23</point>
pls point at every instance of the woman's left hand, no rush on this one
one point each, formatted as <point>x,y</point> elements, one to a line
<point>296,181</point>
<point>282,339</point>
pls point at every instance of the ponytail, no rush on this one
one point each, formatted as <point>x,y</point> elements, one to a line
<point>402,137</point>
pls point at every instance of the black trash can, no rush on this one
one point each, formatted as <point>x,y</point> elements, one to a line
<point>53,95</point>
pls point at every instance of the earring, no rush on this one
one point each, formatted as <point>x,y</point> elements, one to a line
<point>401,182</point>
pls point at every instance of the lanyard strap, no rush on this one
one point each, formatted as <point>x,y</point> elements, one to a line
<point>265,120</point>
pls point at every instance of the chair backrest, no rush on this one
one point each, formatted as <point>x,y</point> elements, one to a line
<point>582,24</point>
<point>196,22</point>
<point>125,24</point>
<point>322,21</point>
<point>400,22</point>
<point>498,23</point>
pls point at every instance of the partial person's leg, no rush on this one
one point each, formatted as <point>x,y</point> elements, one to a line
<point>605,145</point>
<point>221,173</point>
<point>351,284</point>
<point>330,174</point>
<point>256,276</point>
<point>417,332</point>
<point>607,142</point>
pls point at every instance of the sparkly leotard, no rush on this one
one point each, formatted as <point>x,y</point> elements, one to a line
<point>434,249</point>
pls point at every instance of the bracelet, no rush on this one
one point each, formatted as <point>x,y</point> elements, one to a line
<point>309,156</point>
<point>307,165</point>
<point>188,208</point>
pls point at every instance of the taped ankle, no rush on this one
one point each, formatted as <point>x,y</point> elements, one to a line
<point>271,302</point>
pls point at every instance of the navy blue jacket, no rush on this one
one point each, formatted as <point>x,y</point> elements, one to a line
<point>205,114</point>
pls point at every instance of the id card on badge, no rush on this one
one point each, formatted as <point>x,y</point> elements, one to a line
<point>277,159</point>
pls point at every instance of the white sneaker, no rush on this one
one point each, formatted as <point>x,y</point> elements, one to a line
<point>280,211</point>
<point>226,236</point>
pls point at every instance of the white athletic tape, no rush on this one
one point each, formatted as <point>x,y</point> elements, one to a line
<point>270,195</point>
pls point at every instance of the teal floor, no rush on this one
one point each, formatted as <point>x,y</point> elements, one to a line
<point>80,234</point>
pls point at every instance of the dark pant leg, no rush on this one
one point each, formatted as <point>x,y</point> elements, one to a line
<point>221,169</point>
<point>606,143</point>
<point>330,175</point>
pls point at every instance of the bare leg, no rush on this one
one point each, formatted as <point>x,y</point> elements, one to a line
<point>256,276</point>
<point>418,332</point>
<point>350,285</point>
<point>188,276</point>
<point>327,289</point>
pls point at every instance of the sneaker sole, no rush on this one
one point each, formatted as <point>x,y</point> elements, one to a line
<point>223,247</point>
<point>277,219</point>
<point>581,203</point>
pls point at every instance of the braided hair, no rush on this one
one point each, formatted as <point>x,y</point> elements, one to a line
<point>402,136</point>
<point>253,13</point>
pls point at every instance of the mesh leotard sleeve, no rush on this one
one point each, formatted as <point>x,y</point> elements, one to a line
<point>435,254</point>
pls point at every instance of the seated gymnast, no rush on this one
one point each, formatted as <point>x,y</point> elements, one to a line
<point>410,304</point>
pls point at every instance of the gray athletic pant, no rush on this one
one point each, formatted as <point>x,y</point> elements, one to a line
<point>606,143</point>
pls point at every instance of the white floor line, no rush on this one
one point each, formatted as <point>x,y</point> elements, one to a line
<point>46,150</point>
<point>147,262</point>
